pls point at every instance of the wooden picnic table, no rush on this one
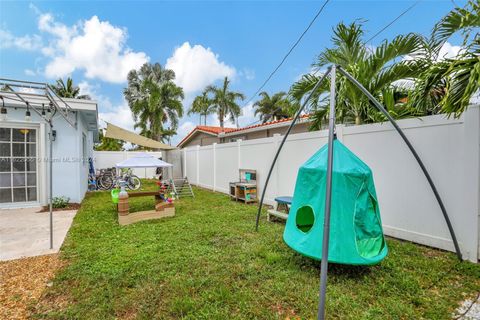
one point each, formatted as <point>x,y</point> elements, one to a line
<point>282,203</point>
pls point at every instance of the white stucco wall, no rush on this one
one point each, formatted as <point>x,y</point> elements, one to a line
<point>70,172</point>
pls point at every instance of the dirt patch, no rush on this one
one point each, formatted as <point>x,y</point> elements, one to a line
<point>22,281</point>
<point>70,206</point>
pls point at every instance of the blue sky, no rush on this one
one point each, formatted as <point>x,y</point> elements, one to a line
<point>98,42</point>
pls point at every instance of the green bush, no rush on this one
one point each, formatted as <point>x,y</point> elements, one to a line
<point>60,202</point>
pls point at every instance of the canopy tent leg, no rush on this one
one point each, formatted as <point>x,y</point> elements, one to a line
<point>380,107</point>
<point>297,115</point>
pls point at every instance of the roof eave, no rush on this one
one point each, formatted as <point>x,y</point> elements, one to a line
<point>191,134</point>
<point>261,128</point>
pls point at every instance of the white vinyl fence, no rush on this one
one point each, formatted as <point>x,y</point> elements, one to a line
<point>108,159</point>
<point>449,148</point>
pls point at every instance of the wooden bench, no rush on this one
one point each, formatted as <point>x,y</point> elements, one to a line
<point>280,202</point>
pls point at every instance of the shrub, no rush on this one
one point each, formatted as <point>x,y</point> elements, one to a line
<point>60,202</point>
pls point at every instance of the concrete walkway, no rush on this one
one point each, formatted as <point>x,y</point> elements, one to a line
<point>26,232</point>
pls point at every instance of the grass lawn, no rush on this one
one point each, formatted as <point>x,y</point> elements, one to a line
<point>207,262</point>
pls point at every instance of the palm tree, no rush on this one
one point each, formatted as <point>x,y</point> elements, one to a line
<point>273,107</point>
<point>68,90</point>
<point>154,100</point>
<point>203,106</point>
<point>108,144</point>
<point>375,69</point>
<point>224,101</point>
<point>447,85</point>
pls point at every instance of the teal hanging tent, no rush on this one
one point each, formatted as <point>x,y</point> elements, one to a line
<point>356,235</point>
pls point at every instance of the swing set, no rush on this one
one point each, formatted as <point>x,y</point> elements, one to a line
<point>334,167</point>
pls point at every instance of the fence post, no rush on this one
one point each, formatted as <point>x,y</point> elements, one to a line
<point>339,131</point>
<point>239,153</point>
<point>276,173</point>
<point>471,171</point>
<point>214,166</point>
<point>185,163</point>
<point>198,165</point>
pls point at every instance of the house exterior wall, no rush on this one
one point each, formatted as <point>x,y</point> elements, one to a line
<point>201,139</point>
<point>265,133</point>
<point>70,165</point>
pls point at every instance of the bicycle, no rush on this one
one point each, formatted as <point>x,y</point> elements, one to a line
<point>109,180</point>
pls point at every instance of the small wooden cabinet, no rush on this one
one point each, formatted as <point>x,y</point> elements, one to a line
<point>246,188</point>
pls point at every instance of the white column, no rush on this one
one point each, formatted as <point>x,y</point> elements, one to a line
<point>214,152</point>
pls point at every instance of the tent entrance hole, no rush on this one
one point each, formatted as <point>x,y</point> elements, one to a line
<point>305,218</point>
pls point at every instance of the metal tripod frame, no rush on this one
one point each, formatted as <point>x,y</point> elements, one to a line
<point>332,70</point>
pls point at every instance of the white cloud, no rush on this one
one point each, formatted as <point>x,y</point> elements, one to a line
<point>183,130</point>
<point>449,51</point>
<point>196,67</point>
<point>27,42</point>
<point>120,116</point>
<point>311,70</point>
<point>249,74</point>
<point>29,72</point>
<point>104,102</point>
<point>96,47</point>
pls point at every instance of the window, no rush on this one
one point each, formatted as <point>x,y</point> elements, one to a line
<point>243,138</point>
<point>18,165</point>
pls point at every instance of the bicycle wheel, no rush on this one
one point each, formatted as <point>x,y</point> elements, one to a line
<point>105,182</point>
<point>134,182</point>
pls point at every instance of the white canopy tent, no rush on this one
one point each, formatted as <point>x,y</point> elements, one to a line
<point>143,160</point>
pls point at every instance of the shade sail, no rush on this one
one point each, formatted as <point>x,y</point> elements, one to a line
<point>115,132</point>
<point>143,160</point>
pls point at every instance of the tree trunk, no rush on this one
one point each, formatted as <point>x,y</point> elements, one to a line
<point>358,120</point>
<point>221,118</point>
<point>157,137</point>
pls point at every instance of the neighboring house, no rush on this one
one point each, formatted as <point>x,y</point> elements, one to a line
<point>24,151</point>
<point>207,135</point>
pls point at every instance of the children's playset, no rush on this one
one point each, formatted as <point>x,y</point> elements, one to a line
<point>245,189</point>
<point>163,199</point>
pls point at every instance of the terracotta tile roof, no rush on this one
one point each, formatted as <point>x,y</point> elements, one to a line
<point>218,130</point>
<point>215,130</point>
<point>305,116</point>
<point>208,129</point>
